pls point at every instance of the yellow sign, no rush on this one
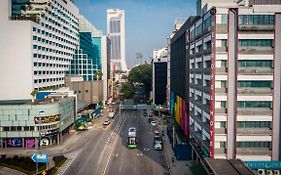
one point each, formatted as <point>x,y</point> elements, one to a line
<point>44,172</point>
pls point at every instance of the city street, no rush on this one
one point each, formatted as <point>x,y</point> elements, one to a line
<point>105,151</point>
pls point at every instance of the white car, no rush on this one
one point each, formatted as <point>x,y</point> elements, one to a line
<point>132,132</point>
<point>106,122</point>
<point>153,123</point>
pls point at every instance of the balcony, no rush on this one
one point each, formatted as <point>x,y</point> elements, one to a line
<point>220,130</point>
<point>222,49</point>
<point>220,150</point>
<point>256,50</point>
<point>254,111</point>
<point>256,70</point>
<point>221,90</point>
<point>260,28</point>
<point>254,91</point>
<point>221,110</point>
<point>221,70</point>
<point>254,131</point>
<point>253,151</point>
<point>221,28</point>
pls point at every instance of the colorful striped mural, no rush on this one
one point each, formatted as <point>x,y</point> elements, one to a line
<point>179,109</point>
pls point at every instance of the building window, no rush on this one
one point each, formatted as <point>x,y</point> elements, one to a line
<point>256,42</point>
<point>255,63</point>
<point>254,124</point>
<point>224,19</point>
<point>253,144</point>
<point>255,84</point>
<point>6,128</point>
<point>254,104</point>
<point>223,104</point>
<point>256,19</point>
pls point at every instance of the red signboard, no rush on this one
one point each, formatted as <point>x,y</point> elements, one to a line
<point>212,82</point>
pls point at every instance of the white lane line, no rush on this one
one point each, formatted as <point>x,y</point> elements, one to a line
<point>67,164</point>
<point>114,144</point>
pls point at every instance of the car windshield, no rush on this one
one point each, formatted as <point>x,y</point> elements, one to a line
<point>132,130</point>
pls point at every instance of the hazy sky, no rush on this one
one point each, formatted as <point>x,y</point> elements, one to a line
<point>148,22</point>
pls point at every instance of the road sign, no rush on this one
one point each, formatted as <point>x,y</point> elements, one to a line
<point>42,158</point>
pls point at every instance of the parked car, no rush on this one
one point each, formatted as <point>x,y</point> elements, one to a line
<point>150,120</point>
<point>145,114</point>
<point>153,123</point>
<point>106,122</point>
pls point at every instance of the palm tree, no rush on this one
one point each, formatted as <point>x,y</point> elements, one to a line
<point>99,75</point>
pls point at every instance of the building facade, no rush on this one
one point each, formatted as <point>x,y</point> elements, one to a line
<point>20,124</point>
<point>159,76</point>
<point>41,37</point>
<point>116,33</point>
<point>233,52</point>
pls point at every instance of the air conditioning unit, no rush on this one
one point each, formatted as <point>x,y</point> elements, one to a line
<point>261,172</point>
<point>269,172</point>
<point>276,172</point>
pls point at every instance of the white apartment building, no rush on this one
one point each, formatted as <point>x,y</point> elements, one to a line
<point>234,60</point>
<point>116,33</point>
<point>40,39</point>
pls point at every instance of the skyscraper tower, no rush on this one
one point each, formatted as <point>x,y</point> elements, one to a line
<point>116,33</point>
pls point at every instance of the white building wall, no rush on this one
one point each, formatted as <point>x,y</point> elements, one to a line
<point>104,66</point>
<point>16,73</point>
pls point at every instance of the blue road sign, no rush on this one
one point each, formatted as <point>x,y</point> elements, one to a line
<point>42,158</point>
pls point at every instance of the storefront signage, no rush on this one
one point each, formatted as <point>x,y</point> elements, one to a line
<point>47,119</point>
<point>212,84</point>
<point>269,165</point>
<point>49,132</point>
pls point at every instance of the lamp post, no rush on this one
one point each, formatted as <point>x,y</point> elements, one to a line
<point>41,112</point>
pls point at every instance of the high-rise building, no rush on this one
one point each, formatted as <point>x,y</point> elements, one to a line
<point>116,33</point>
<point>40,39</point>
<point>233,64</point>
<point>159,76</point>
<point>91,59</point>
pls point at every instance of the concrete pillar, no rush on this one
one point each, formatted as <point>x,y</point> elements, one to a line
<point>276,122</point>
<point>1,143</point>
<point>58,139</point>
<point>23,142</point>
<point>36,143</point>
<point>232,82</point>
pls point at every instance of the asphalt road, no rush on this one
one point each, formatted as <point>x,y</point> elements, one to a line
<point>142,161</point>
<point>105,152</point>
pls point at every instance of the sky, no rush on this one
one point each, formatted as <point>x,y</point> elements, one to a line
<point>147,22</point>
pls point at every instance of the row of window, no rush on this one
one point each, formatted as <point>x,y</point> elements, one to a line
<point>18,128</point>
<point>243,19</point>
<point>36,64</point>
<point>256,19</point>
<point>50,35</point>
<point>254,104</point>
<point>250,104</point>
<point>251,84</point>
<point>48,80</point>
<point>256,42</point>
<point>253,144</point>
<point>254,124</point>
<point>63,11</point>
<point>47,57</point>
<point>48,72</point>
<point>255,63</point>
<point>28,128</point>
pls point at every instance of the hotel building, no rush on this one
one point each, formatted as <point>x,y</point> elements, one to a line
<point>233,56</point>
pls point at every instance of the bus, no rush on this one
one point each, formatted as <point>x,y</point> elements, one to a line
<point>132,138</point>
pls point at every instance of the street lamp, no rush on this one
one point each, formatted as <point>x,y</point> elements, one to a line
<point>41,112</point>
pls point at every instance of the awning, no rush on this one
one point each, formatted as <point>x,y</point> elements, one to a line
<point>81,105</point>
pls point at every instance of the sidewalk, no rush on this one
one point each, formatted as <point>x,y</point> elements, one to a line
<point>176,167</point>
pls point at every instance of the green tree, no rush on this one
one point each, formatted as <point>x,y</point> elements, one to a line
<point>127,91</point>
<point>142,74</point>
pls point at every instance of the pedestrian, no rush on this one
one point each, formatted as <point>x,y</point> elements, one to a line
<point>173,159</point>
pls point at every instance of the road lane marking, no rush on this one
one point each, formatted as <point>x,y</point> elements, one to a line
<point>114,144</point>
